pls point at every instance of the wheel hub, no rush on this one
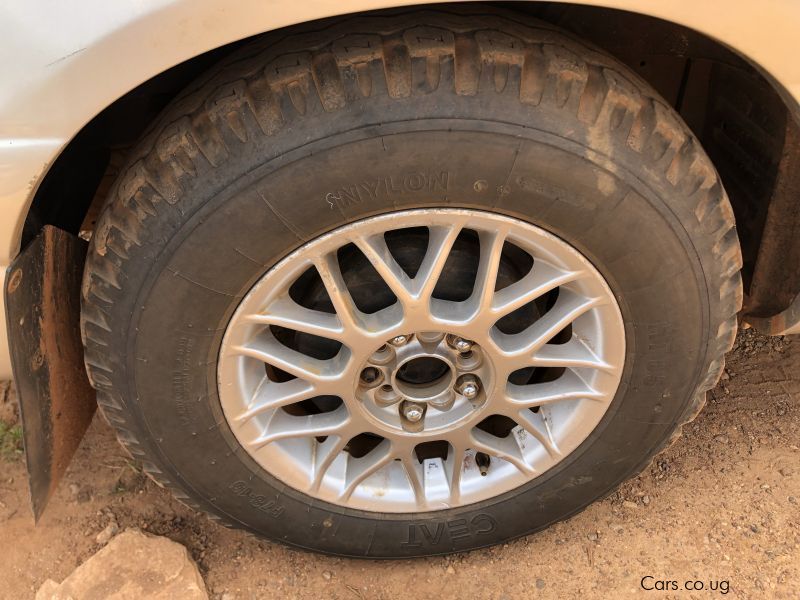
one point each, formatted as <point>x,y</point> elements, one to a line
<point>422,375</point>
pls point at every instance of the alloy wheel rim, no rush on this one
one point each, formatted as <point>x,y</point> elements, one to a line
<point>463,407</point>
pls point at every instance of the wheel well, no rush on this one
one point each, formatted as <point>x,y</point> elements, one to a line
<point>738,115</point>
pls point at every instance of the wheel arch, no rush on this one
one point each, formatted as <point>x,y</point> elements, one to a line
<point>683,60</point>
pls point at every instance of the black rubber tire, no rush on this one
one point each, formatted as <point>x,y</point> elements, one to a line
<point>271,149</point>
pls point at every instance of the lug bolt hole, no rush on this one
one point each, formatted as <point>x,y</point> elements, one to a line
<point>370,376</point>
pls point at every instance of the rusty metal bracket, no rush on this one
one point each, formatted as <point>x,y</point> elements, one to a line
<point>43,313</point>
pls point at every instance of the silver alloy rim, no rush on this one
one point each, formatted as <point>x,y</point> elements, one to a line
<point>353,428</point>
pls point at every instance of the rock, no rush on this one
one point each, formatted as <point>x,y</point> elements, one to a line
<point>721,438</point>
<point>326,575</point>
<point>646,500</point>
<point>450,570</point>
<point>593,536</point>
<point>48,590</point>
<point>629,504</point>
<point>540,584</point>
<point>133,565</point>
<point>109,532</point>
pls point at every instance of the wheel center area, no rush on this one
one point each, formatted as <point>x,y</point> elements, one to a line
<point>424,381</point>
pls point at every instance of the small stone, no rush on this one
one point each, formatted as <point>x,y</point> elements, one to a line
<point>48,590</point>
<point>792,500</point>
<point>629,504</point>
<point>540,584</point>
<point>646,500</point>
<point>74,490</point>
<point>593,536</point>
<point>109,532</point>
<point>450,570</point>
<point>721,438</point>
<point>327,575</point>
<point>132,565</point>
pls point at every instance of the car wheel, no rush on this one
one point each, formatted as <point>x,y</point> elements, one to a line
<point>385,289</point>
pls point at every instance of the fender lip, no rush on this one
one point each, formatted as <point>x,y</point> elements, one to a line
<point>56,401</point>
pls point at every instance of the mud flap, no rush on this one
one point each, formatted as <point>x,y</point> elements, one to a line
<point>43,311</point>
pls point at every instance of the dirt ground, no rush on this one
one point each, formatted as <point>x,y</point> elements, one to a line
<point>721,507</point>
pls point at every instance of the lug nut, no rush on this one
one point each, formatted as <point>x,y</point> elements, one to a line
<point>399,340</point>
<point>412,412</point>
<point>469,391</point>
<point>468,386</point>
<point>461,344</point>
<point>370,375</point>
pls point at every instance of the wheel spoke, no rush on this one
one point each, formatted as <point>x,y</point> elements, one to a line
<point>413,471</point>
<point>285,312</point>
<point>440,242</point>
<point>567,308</point>
<point>271,395</point>
<point>283,426</point>
<point>455,469</point>
<point>325,454</point>
<point>567,387</point>
<point>542,278</point>
<point>491,245</point>
<point>270,351</point>
<point>505,448</point>
<point>538,427</point>
<point>377,251</point>
<point>331,275</point>
<point>359,469</point>
<point>574,354</point>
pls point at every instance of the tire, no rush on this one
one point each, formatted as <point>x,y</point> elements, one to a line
<point>251,164</point>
